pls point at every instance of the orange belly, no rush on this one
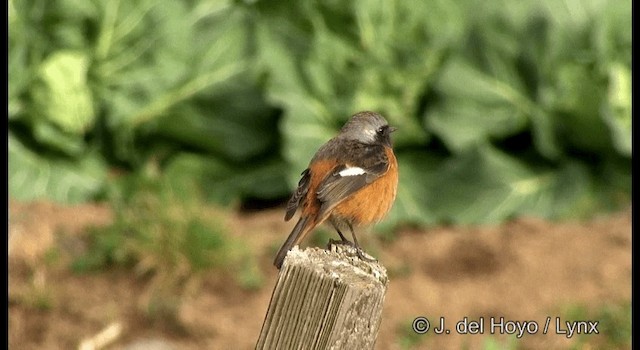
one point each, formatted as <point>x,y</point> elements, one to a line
<point>372,203</point>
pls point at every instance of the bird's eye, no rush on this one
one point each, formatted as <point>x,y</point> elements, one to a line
<point>380,130</point>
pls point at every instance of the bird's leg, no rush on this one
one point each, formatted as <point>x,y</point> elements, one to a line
<point>357,246</point>
<point>343,239</point>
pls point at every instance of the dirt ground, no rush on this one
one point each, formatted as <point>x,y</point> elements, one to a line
<point>524,270</point>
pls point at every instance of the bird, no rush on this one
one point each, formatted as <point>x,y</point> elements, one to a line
<point>351,180</point>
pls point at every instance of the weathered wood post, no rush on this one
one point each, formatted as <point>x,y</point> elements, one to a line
<point>325,299</point>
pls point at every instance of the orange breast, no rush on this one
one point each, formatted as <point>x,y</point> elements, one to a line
<point>372,203</point>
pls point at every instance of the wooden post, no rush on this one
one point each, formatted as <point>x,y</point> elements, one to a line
<point>325,299</point>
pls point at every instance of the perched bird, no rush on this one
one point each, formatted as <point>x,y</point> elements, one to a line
<point>351,181</point>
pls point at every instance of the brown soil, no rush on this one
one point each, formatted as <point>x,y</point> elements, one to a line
<point>527,269</point>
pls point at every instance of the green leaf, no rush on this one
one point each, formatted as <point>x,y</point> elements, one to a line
<point>20,72</point>
<point>617,112</point>
<point>227,184</point>
<point>233,122</point>
<point>306,122</point>
<point>155,58</point>
<point>487,186</point>
<point>62,96</point>
<point>481,108</point>
<point>579,101</point>
<point>52,136</point>
<point>33,176</point>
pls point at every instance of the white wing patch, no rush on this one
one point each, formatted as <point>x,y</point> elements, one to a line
<point>351,171</point>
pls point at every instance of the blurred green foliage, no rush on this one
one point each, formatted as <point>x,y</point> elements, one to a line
<point>407,338</point>
<point>162,231</point>
<point>158,228</point>
<point>614,324</point>
<point>503,108</point>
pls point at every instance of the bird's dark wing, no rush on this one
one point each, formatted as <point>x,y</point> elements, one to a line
<point>298,195</point>
<point>351,175</point>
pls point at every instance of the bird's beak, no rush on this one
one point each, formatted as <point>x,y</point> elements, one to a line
<point>392,129</point>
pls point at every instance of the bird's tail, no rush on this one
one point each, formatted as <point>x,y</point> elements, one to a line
<point>303,226</point>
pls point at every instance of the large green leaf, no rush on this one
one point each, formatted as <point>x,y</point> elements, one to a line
<point>617,113</point>
<point>481,108</point>
<point>33,176</point>
<point>490,87</point>
<point>233,122</point>
<point>487,186</point>
<point>20,72</point>
<point>62,101</point>
<point>153,57</point>
<point>580,100</point>
<point>306,122</point>
<point>224,183</point>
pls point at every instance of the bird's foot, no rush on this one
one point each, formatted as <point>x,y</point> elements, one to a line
<point>364,256</point>
<point>359,252</point>
<point>341,242</point>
